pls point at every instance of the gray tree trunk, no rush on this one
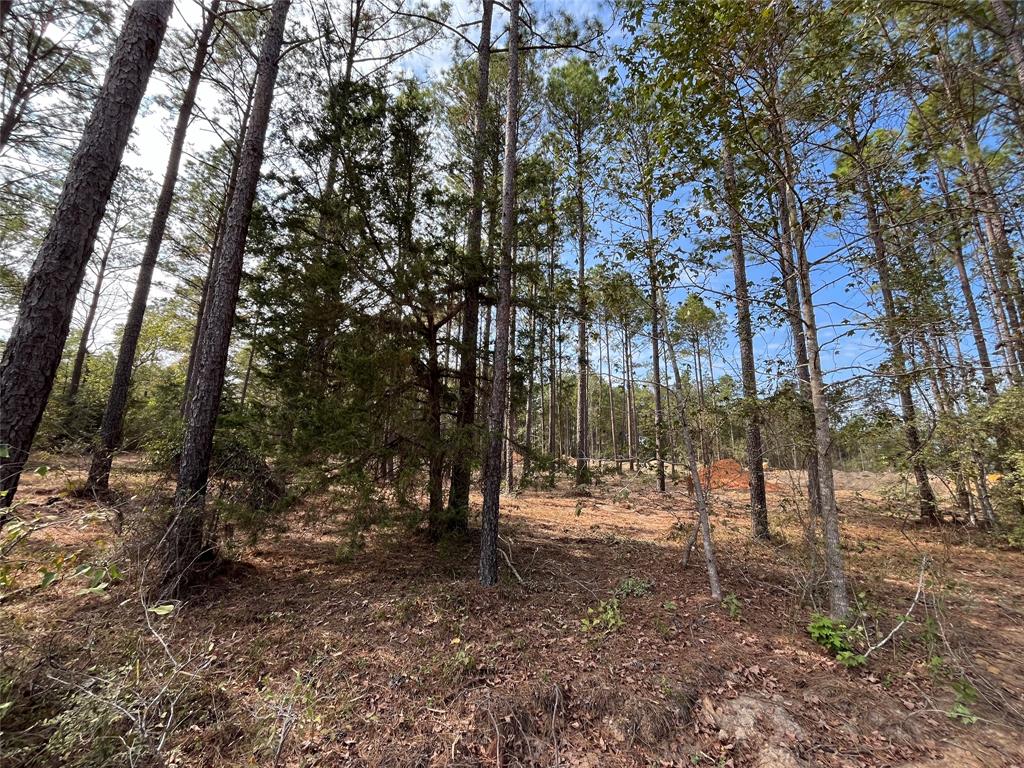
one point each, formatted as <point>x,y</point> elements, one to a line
<point>655,307</point>
<point>465,417</point>
<point>926,497</point>
<point>187,542</point>
<point>33,350</point>
<point>748,374</point>
<point>582,351</point>
<point>496,407</point>
<point>112,425</point>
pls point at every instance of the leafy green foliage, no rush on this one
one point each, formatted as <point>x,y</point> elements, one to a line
<point>836,638</point>
<point>604,618</point>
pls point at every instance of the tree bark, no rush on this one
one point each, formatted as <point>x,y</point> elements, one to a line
<point>699,496</point>
<point>582,374</point>
<point>926,497</point>
<point>33,350</point>
<point>611,401</point>
<point>496,407</point>
<point>655,306</point>
<point>839,602</point>
<point>111,428</point>
<point>465,417</point>
<point>1013,39</point>
<point>745,333</point>
<point>187,542</point>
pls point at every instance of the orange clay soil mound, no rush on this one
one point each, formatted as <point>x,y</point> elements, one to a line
<point>727,474</point>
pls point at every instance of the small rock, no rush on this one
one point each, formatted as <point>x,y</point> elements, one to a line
<point>747,719</point>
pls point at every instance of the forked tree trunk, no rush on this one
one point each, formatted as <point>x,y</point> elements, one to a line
<point>112,425</point>
<point>496,407</point>
<point>188,543</point>
<point>465,417</point>
<point>34,347</point>
<point>748,374</point>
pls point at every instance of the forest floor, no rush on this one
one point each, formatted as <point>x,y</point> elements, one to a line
<point>306,652</point>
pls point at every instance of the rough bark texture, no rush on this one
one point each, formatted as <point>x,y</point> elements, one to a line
<point>496,407</point>
<point>117,401</point>
<point>465,417</point>
<point>926,497</point>
<point>748,374</point>
<point>33,350</point>
<point>839,601</point>
<point>187,542</point>
<point>1012,38</point>
<point>796,328</point>
<point>659,414</point>
<point>582,365</point>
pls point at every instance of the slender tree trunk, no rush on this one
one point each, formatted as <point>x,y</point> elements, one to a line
<point>699,496</point>
<point>1012,38</point>
<point>33,350</point>
<point>496,407</point>
<point>796,328</point>
<point>926,497</point>
<point>248,373</point>
<point>435,472</point>
<point>582,402</point>
<point>510,414</point>
<point>533,365</point>
<point>187,542</point>
<point>611,401</point>
<point>839,602</point>
<point>987,375</point>
<point>655,306</point>
<point>552,361</point>
<point>632,422</point>
<point>465,417</point>
<point>745,333</point>
<point>112,425</point>
<point>211,265</point>
<point>90,317</point>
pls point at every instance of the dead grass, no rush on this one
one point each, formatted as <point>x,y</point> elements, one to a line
<point>394,656</point>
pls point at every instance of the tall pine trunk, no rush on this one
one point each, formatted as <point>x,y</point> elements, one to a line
<point>187,542</point>
<point>745,332</point>
<point>465,417</point>
<point>655,307</point>
<point>113,417</point>
<point>582,351</point>
<point>926,496</point>
<point>839,601</point>
<point>34,347</point>
<point>496,407</point>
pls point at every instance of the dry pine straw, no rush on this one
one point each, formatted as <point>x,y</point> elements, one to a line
<point>394,656</point>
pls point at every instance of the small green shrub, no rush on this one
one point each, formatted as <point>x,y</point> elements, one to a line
<point>631,586</point>
<point>836,638</point>
<point>732,604</point>
<point>605,618</point>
